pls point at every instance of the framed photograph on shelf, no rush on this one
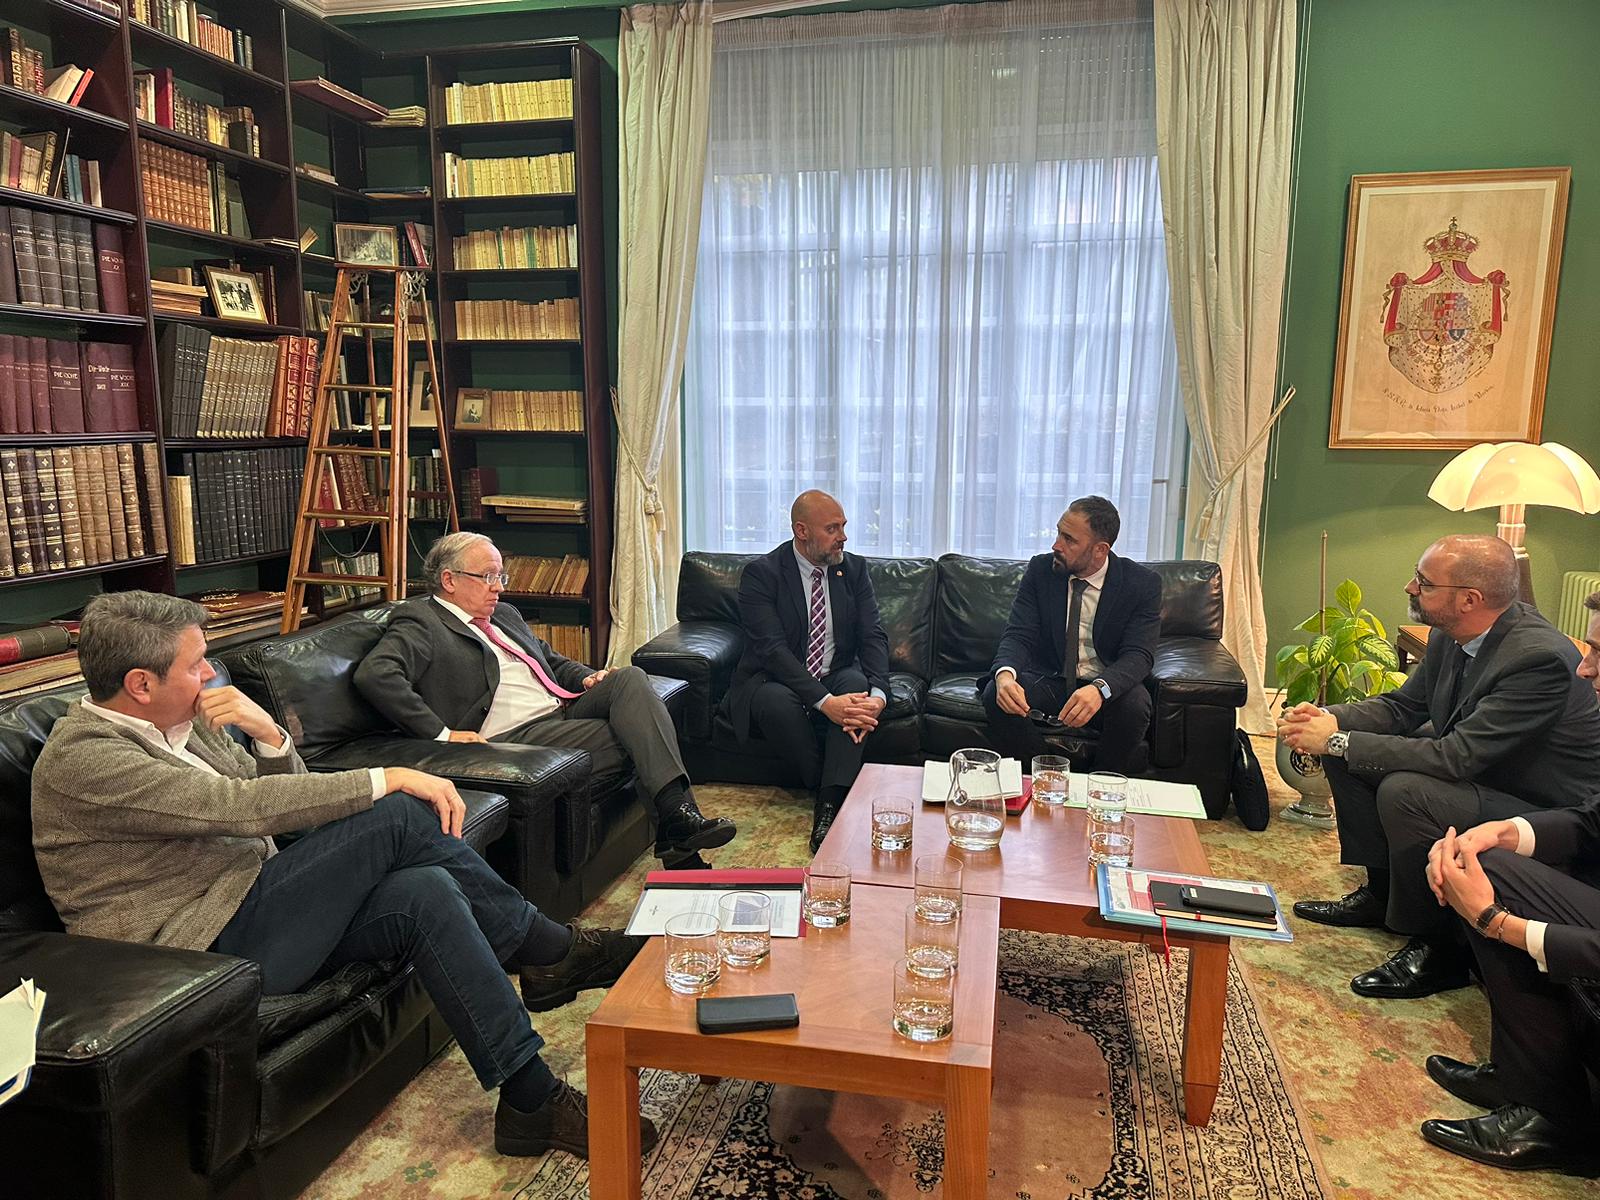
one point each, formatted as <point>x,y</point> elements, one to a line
<point>1447,306</point>
<point>366,245</point>
<point>472,408</point>
<point>236,295</point>
<point>422,396</point>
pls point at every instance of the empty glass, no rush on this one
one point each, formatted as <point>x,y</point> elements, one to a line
<point>891,822</point>
<point>693,961</point>
<point>1052,773</point>
<point>937,878</point>
<point>1108,795</point>
<point>1111,842</point>
<point>975,812</point>
<point>744,921</point>
<point>827,895</point>
<point>932,947</point>
<point>924,1005</point>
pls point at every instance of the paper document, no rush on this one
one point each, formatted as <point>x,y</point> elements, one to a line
<point>20,1012</point>
<point>936,779</point>
<point>1149,796</point>
<point>657,905</point>
<point>1125,896</point>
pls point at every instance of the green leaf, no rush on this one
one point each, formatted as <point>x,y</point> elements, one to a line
<point>1371,618</point>
<point>1348,594</point>
<point>1380,651</point>
<point>1315,622</point>
<point>1360,672</point>
<point>1290,654</point>
<point>1392,680</point>
<point>1349,635</point>
<point>1301,690</point>
<point>1320,652</point>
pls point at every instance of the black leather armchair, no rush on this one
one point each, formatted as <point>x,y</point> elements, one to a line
<point>943,620</point>
<point>164,1073</point>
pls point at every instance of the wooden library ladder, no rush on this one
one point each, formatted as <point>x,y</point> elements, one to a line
<point>322,452</point>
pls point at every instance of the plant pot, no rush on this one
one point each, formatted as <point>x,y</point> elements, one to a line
<point>1303,772</point>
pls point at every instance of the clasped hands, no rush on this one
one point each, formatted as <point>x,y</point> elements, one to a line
<point>1306,727</point>
<point>1080,707</point>
<point>1456,877</point>
<point>854,712</point>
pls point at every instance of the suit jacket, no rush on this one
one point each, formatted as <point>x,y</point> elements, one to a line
<point>1569,838</point>
<point>1127,623</point>
<point>775,615</point>
<point>429,672</point>
<point>1523,722</point>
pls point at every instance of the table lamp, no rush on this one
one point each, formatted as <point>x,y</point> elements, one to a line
<point>1514,475</point>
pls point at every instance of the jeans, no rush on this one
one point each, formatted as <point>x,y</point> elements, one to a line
<point>388,884</point>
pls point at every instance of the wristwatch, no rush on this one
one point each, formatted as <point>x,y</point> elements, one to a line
<point>1487,916</point>
<point>1105,688</point>
<point>1338,743</point>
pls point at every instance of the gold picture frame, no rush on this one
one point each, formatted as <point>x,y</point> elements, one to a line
<point>236,295</point>
<point>1446,307</point>
<point>472,408</point>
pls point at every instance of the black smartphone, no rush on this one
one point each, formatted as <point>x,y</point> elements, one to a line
<point>1228,902</point>
<point>740,1014</point>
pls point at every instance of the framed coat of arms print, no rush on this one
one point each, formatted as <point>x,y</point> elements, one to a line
<point>1449,297</point>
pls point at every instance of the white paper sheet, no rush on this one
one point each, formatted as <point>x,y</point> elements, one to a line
<point>20,1013</point>
<point>936,779</point>
<point>657,905</point>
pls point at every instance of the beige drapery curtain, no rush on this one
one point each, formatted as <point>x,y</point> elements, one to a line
<point>664,89</point>
<point>1225,92</point>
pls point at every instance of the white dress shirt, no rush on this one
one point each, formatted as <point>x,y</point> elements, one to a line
<point>1089,664</point>
<point>807,568</point>
<point>1535,933</point>
<point>520,698</point>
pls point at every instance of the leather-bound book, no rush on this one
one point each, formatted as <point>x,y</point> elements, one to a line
<point>111,481</point>
<point>8,261</point>
<point>67,506</point>
<point>8,387</point>
<point>124,387</point>
<point>155,502</point>
<point>66,387</point>
<point>98,416</point>
<point>92,505</point>
<point>168,358</point>
<point>16,511</point>
<point>39,382</point>
<point>132,514</point>
<point>8,566</point>
<point>44,473</point>
<point>48,257</point>
<point>76,230</point>
<point>31,510</point>
<point>111,269</point>
<point>22,248</point>
<point>25,644</point>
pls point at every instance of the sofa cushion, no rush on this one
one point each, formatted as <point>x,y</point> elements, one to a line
<point>959,696</point>
<point>975,596</point>
<point>1196,670</point>
<point>904,589</point>
<point>703,655</point>
<point>1191,598</point>
<point>906,693</point>
<point>708,586</point>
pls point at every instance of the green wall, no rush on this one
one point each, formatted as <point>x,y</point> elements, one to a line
<point>1414,85</point>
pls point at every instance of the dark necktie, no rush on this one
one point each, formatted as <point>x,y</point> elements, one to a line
<point>1069,661</point>
<point>1459,661</point>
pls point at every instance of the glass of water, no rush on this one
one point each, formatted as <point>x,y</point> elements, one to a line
<point>932,947</point>
<point>891,823</point>
<point>1111,842</point>
<point>744,921</point>
<point>693,961</point>
<point>827,895</point>
<point>1108,796</point>
<point>924,1005</point>
<point>938,882</point>
<point>1052,773</point>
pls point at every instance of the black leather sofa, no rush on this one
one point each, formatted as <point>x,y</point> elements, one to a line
<point>944,619</point>
<point>163,1074</point>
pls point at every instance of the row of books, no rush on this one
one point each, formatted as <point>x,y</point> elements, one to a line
<point>547,576</point>
<point>158,99</point>
<point>519,411</point>
<point>351,484</point>
<point>75,506</point>
<point>542,246</point>
<point>537,510</point>
<point>518,175</point>
<point>365,562</point>
<point>500,320</point>
<point>190,189</point>
<point>50,385</point>
<point>38,163</point>
<point>521,100</point>
<point>58,260</point>
<point>21,66</point>
<point>231,503</point>
<point>216,386</point>
<point>182,19</point>
<point>427,475</point>
<point>569,641</point>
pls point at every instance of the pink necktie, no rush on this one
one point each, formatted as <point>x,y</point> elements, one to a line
<point>819,626</point>
<point>539,673</point>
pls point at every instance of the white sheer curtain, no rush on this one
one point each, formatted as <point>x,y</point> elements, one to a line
<point>932,280</point>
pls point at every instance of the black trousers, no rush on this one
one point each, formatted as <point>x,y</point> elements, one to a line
<point>821,753</point>
<point>1534,1038</point>
<point>1122,722</point>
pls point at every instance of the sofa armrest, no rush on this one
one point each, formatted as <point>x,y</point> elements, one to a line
<point>127,1026</point>
<point>1196,670</point>
<point>701,653</point>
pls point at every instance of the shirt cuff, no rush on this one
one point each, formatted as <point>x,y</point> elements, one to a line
<point>877,694</point>
<point>268,750</point>
<point>999,671</point>
<point>1524,838</point>
<point>443,735</point>
<point>379,790</point>
<point>1535,938</point>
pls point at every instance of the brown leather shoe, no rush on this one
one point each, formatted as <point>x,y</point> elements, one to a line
<point>560,1123</point>
<point>597,959</point>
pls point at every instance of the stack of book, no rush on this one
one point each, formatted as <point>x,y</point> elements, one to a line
<point>181,19</point>
<point>158,100</point>
<point>538,510</point>
<point>519,411</point>
<point>236,387</point>
<point>412,116</point>
<point>49,385</point>
<point>24,643</point>
<point>237,616</point>
<point>177,299</point>
<point>569,641</point>
<point>58,260</point>
<point>79,506</point>
<point>547,576</point>
<point>520,175</point>
<point>38,163</point>
<point>542,246</point>
<point>234,503</point>
<point>509,320</point>
<point>190,190</point>
<point>522,100</point>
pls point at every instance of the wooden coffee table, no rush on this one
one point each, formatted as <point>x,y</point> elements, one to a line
<point>1041,876</point>
<point>843,983</point>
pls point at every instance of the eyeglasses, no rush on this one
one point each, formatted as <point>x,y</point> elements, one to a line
<point>489,578</point>
<point>1424,584</point>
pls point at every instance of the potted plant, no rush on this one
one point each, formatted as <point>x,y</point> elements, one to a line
<point>1346,657</point>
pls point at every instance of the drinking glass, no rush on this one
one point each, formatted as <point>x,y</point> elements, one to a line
<point>932,947</point>
<point>1108,796</point>
<point>938,883</point>
<point>891,823</point>
<point>693,963</point>
<point>744,921</point>
<point>1111,842</point>
<point>827,895</point>
<point>975,812</point>
<point>1052,773</point>
<point>924,1005</point>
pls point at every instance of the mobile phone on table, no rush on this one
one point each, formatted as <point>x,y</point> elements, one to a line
<point>739,1014</point>
<point>1227,902</point>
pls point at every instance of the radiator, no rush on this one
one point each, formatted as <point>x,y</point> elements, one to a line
<point>1573,618</point>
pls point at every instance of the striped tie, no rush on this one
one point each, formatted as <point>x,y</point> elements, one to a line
<point>819,621</point>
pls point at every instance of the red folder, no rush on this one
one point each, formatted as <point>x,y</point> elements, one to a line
<point>1015,804</point>
<point>734,877</point>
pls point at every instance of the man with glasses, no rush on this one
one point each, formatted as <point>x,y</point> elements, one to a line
<point>1493,722</point>
<point>460,665</point>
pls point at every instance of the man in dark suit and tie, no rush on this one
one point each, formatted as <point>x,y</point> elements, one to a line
<point>1494,722</point>
<point>461,666</point>
<point>1527,889</point>
<point>1080,643</point>
<point>815,670</point>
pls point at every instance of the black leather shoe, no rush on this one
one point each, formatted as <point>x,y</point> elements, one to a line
<point>560,1123</point>
<point>597,959</point>
<point>1417,969</point>
<point>693,863</point>
<point>1514,1137</point>
<point>1477,1084</point>
<point>685,831</point>
<point>820,825</point>
<point>1361,909</point>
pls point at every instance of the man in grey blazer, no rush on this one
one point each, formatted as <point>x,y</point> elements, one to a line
<point>460,665</point>
<point>1494,722</point>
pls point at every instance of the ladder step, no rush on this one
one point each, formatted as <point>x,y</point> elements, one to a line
<point>364,324</point>
<point>354,451</point>
<point>355,518</point>
<point>358,387</point>
<point>338,579</point>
